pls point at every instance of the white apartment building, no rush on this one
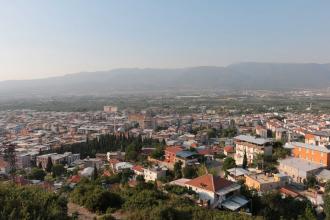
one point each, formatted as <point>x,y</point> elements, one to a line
<point>252,146</point>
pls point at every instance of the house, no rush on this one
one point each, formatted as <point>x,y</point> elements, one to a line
<point>286,192</point>
<point>179,182</point>
<point>261,131</point>
<point>23,160</point>
<point>228,150</point>
<point>298,169</point>
<point>318,138</point>
<point>170,153</point>
<point>323,176</point>
<point>93,162</point>
<point>263,182</point>
<point>186,157</point>
<point>207,153</point>
<point>153,174</point>
<point>122,166</point>
<point>87,172</point>
<point>138,170</point>
<point>4,167</point>
<point>236,173</point>
<point>281,134</point>
<point>112,163</point>
<point>252,146</point>
<point>115,155</point>
<point>217,191</point>
<point>74,179</point>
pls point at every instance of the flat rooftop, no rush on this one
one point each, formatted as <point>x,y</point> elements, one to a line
<point>300,164</point>
<point>311,147</point>
<point>253,140</point>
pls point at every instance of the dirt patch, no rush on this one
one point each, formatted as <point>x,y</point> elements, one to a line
<point>83,213</point>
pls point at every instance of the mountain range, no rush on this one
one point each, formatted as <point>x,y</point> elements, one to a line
<point>241,76</point>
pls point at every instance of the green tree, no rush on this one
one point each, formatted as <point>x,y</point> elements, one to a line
<point>37,174</point>
<point>140,179</point>
<point>58,170</point>
<point>244,165</point>
<point>10,157</point>
<point>309,213</point>
<point>94,197</point>
<point>189,172</point>
<point>125,175</point>
<point>143,199</point>
<point>95,173</point>
<point>132,152</point>
<point>326,198</point>
<point>29,202</point>
<point>311,181</point>
<point>158,153</point>
<point>178,170</point>
<point>228,163</point>
<point>202,170</point>
<point>49,165</point>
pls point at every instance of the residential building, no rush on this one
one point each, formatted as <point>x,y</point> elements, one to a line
<point>318,138</point>
<point>87,172</point>
<point>229,150</point>
<point>170,153</point>
<point>298,169</point>
<point>263,182</point>
<point>236,173</point>
<point>93,162</point>
<point>309,152</point>
<point>122,166</point>
<point>138,170</point>
<point>23,160</point>
<point>261,131</point>
<point>186,157</point>
<point>4,167</point>
<point>217,191</point>
<point>252,146</point>
<point>110,109</point>
<point>153,174</point>
<point>66,158</point>
<point>281,134</point>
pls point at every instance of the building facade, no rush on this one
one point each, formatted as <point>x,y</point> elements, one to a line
<point>251,146</point>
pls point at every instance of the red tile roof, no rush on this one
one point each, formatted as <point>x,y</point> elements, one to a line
<point>229,149</point>
<point>289,192</point>
<point>209,182</point>
<point>106,173</point>
<point>309,136</point>
<point>193,145</point>
<point>174,149</point>
<point>206,151</point>
<point>3,164</point>
<point>74,179</point>
<point>138,168</point>
<point>113,161</point>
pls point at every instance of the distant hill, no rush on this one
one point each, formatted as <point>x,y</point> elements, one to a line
<point>270,76</point>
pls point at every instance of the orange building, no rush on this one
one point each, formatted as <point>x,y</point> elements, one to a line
<point>170,153</point>
<point>312,153</point>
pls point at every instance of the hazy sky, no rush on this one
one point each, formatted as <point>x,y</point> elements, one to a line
<point>46,38</point>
